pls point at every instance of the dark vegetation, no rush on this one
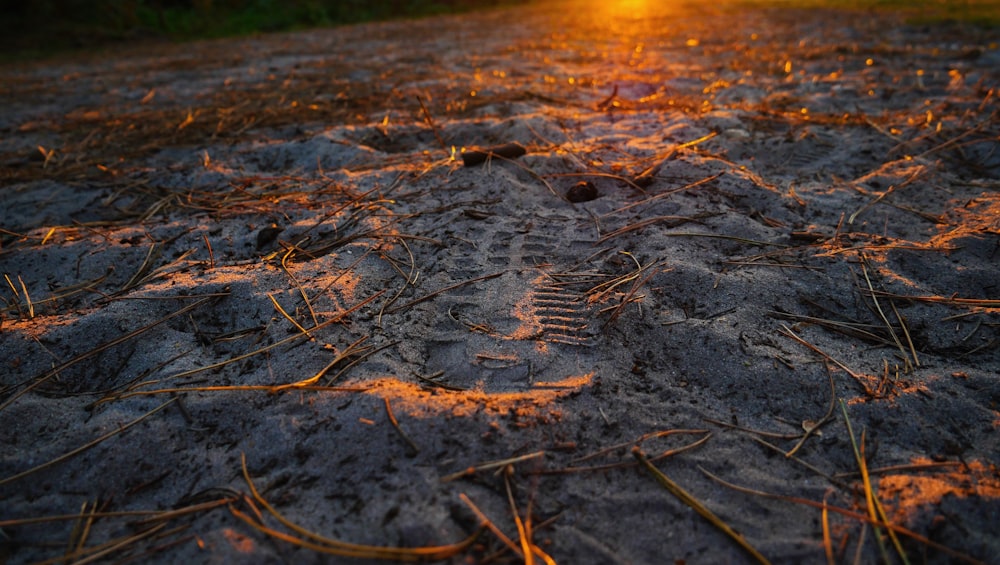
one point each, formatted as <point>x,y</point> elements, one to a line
<point>30,29</point>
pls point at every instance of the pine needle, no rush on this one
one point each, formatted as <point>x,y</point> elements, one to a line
<point>85,447</point>
<point>698,507</point>
<point>310,540</point>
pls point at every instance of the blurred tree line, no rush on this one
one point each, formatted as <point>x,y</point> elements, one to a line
<point>46,25</point>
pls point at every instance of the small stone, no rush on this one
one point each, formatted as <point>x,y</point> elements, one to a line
<point>267,235</point>
<point>582,192</point>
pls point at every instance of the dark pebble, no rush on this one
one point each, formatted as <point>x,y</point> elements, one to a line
<point>582,192</point>
<point>267,235</point>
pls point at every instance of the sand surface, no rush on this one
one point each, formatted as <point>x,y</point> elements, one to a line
<point>779,223</point>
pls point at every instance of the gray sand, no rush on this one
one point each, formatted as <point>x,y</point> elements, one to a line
<point>796,211</point>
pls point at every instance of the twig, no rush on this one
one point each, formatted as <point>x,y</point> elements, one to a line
<point>506,151</point>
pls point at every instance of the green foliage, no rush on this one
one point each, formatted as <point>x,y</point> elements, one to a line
<point>45,26</point>
<point>979,12</point>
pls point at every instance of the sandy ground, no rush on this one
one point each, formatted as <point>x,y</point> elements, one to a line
<point>736,237</point>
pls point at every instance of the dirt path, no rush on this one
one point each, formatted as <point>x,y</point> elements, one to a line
<point>729,227</point>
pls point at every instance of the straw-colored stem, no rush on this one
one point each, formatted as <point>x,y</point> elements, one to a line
<point>698,507</point>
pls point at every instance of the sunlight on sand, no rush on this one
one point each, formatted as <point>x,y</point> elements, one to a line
<point>536,404</point>
<point>911,494</point>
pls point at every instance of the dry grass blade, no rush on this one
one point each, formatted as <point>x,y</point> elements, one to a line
<point>27,297</point>
<point>636,442</point>
<point>103,347</point>
<point>67,517</point>
<point>957,555</point>
<point>347,352</point>
<point>17,295</point>
<point>339,317</point>
<point>91,554</point>
<point>270,389</point>
<point>648,175</point>
<point>444,290</point>
<point>522,533</point>
<point>664,194</point>
<point>491,526</point>
<point>146,273</point>
<point>674,221</point>
<point>469,471</point>
<point>433,126</point>
<point>146,516</point>
<point>524,529</point>
<point>81,530</point>
<point>806,464</point>
<point>411,279</point>
<point>599,175</point>
<point>288,317</point>
<point>310,540</point>
<point>144,268</point>
<point>902,468</point>
<point>881,314</point>
<point>906,333</point>
<point>603,290</point>
<point>698,507</point>
<point>67,291</point>
<point>892,188</point>
<point>623,464</point>
<point>761,433</point>
<point>853,329</point>
<point>827,539</point>
<point>395,424</point>
<point>630,296</point>
<point>946,300</point>
<point>343,273</point>
<point>875,510</point>
<point>361,355</point>
<point>429,381</point>
<point>861,379</point>
<point>163,516</point>
<point>85,447</point>
<point>298,286</point>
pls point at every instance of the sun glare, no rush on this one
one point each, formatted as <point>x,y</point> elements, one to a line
<point>632,7</point>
